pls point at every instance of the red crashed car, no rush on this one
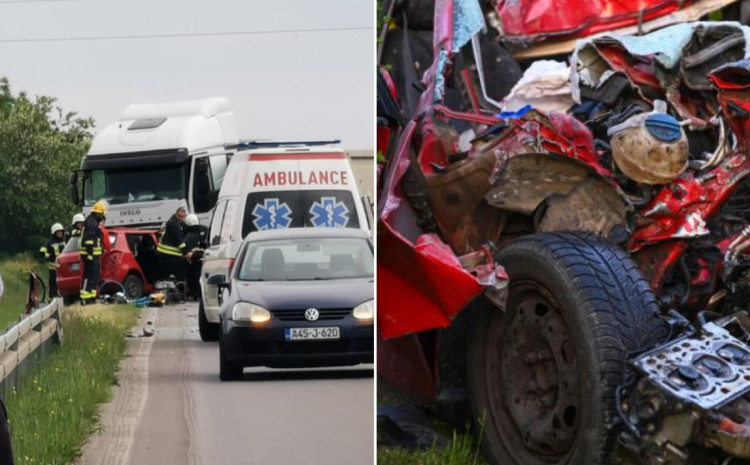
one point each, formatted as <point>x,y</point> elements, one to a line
<point>131,261</point>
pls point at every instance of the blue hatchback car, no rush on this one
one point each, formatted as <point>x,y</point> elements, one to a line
<point>300,297</point>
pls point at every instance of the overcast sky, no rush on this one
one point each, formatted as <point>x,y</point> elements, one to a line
<point>290,85</point>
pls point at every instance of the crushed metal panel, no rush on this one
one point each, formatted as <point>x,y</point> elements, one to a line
<point>528,179</point>
<point>420,287</point>
<point>529,21</point>
<point>692,12</point>
<point>455,192</point>
<point>591,206</point>
<point>711,45</point>
<point>673,62</point>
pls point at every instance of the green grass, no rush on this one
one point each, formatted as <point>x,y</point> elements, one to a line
<point>462,450</point>
<point>14,271</point>
<point>56,405</point>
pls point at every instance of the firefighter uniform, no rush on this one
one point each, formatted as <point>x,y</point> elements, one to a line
<point>50,251</point>
<point>195,241</point>
<point>91,252</point>
<point>172,250</point>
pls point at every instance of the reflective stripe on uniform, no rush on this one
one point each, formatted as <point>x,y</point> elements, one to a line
<point>97,252</point>
<point>169,250</point>
<point>96,249</point>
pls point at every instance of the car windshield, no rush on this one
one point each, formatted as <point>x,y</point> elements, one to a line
<point>71,245</point>
<point>135,185</point>
<point>306,259</point>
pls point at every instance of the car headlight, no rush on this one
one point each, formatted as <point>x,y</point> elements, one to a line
<point>244,311</point>
<point>365,310</point>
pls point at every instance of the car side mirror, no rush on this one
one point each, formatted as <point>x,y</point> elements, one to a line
<point>221,283</point>
<point>73,180</point>
<point>218,280</point>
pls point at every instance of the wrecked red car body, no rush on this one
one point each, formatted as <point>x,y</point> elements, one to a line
<point>453,212</point>
<point>529,21</point>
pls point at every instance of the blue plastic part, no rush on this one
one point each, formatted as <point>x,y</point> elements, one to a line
<point>515,114</point>
<point>664,127</point>
<point>142,302</point>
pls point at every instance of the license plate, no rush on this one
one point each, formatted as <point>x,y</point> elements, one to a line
<point>311,334</point>
<point>75,266</point>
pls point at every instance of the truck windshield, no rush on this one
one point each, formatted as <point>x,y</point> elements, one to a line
<point>135,185</point>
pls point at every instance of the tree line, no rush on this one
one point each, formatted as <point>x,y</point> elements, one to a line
<point>39,146</point>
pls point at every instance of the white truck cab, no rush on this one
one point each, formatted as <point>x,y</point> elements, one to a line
<point>276,185</point>
<point>157,157</point>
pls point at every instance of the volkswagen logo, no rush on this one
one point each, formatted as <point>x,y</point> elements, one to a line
<point>312,314</point>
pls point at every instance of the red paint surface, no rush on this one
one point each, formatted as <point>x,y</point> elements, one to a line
<point>535,20</point>
<point>116,264</point>
<point>405,363</point>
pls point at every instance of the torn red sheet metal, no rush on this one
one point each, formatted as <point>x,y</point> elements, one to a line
<point>421,282</point>
<point>734,81</point>
<point>529,21</point>
<point>420,286</point>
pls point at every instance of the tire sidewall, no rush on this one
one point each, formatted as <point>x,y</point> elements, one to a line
<point>524,262</point>
<point>130,277</point>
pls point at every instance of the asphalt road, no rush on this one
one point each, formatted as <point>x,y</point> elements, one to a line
<point>171,408</point>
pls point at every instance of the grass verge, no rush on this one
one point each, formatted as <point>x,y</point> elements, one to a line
<point>462,450</point>
<point>14,271</point>
<point>56,405</point>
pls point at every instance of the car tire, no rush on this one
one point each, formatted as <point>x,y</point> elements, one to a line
<point>543,372</point>
<point>133,286</point>
<point>208,331</point>
<point>228,371</point>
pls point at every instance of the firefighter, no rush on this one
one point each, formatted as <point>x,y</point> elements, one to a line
<point>195,242</point>
<point>76,226</point>
<point>50,251</point>
<point>172,249</point>
<point>91,252</point>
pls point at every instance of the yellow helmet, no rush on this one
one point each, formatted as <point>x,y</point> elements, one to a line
<point>100,207</point>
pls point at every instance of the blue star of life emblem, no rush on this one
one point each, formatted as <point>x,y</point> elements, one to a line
<point>328,213</point>
<point>272,215</point>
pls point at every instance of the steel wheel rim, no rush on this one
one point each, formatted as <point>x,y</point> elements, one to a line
<point>537,411</point>
<point>132,287</point>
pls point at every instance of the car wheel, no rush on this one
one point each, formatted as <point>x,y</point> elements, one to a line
<point>208,331</point>
<point>543,372</point>
<point>133,286</point>
<point>228,371</point>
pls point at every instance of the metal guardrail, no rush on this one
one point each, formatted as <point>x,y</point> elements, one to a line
<point>32,336</point>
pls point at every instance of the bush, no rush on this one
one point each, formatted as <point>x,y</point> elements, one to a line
<point>39,146</point>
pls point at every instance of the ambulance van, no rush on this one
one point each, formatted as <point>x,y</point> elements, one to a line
<point>276,185</point>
